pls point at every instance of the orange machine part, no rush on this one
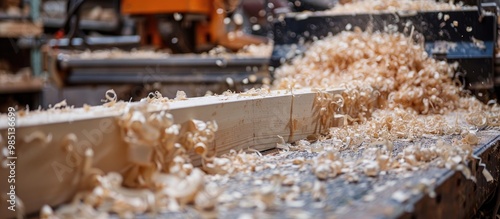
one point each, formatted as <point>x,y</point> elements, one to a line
<point>143,7</point>
<point>210,32</point>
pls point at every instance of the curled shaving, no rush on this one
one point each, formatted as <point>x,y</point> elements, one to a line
<point>156,97</point>
<point>487,175</point>
<point>85,172</point>
<point>61,105</point>
<point>38,136</point>
<point>328,165</point>
<point>111,98</point>
<point>325,106</point>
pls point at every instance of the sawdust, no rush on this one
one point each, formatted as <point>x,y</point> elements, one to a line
<point>371,6</point>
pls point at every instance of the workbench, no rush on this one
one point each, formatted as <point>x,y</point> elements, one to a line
<point>455,196</point>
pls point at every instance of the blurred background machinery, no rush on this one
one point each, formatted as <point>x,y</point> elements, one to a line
<point>194,46</point>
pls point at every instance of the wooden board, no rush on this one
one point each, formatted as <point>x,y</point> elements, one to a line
<point>45,170</point>
<point>20,29</point>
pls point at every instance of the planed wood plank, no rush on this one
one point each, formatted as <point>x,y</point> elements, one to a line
<point>243,122</point>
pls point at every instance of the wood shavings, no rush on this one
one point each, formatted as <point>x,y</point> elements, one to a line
<point>77,210</point>
<point>393,91</point>
<point>38,136</point>
<point>426,186</point>
<point>477,119</point>
<point>61,105</point>
<point>256,50</point>
<point>46,212</point>
<point>325,107</point>
<point>110,196</point>
<point>234,162</point>
<point>370,6</point>
<point>470,138</point>
<point>160,175</point>
<point>185,189</point>
<point>255,92</point>
<point>371,168</point>
<point>352,177</point>
<point>86,107</point>
<point>298,161</point>
<point>328,164</point>
<point>204,200</point>
<point>397,61</point>
<point>318,191</point>
<point>181,95</point>
<point>400,196</point>
<point>69,141</point>
<point>282,144</point>
<point>155,98</point>
<point>141,136</point>
<point>111,98</point>
<point>478,43</point>
<point>487,175</point>
<point>265,198</point>
<point>217,165</point>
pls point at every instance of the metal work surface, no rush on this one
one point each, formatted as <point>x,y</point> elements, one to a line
<point>455,196</point>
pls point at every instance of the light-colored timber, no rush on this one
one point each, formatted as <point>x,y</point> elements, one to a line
<point>45,173</point>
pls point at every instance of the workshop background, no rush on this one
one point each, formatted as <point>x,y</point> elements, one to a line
<point>39,66</point>
<point>35,69</point>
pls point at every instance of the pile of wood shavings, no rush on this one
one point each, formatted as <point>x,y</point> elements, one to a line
<point>378,70</point>
<point>393,92</point>
<point>370,6</point>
